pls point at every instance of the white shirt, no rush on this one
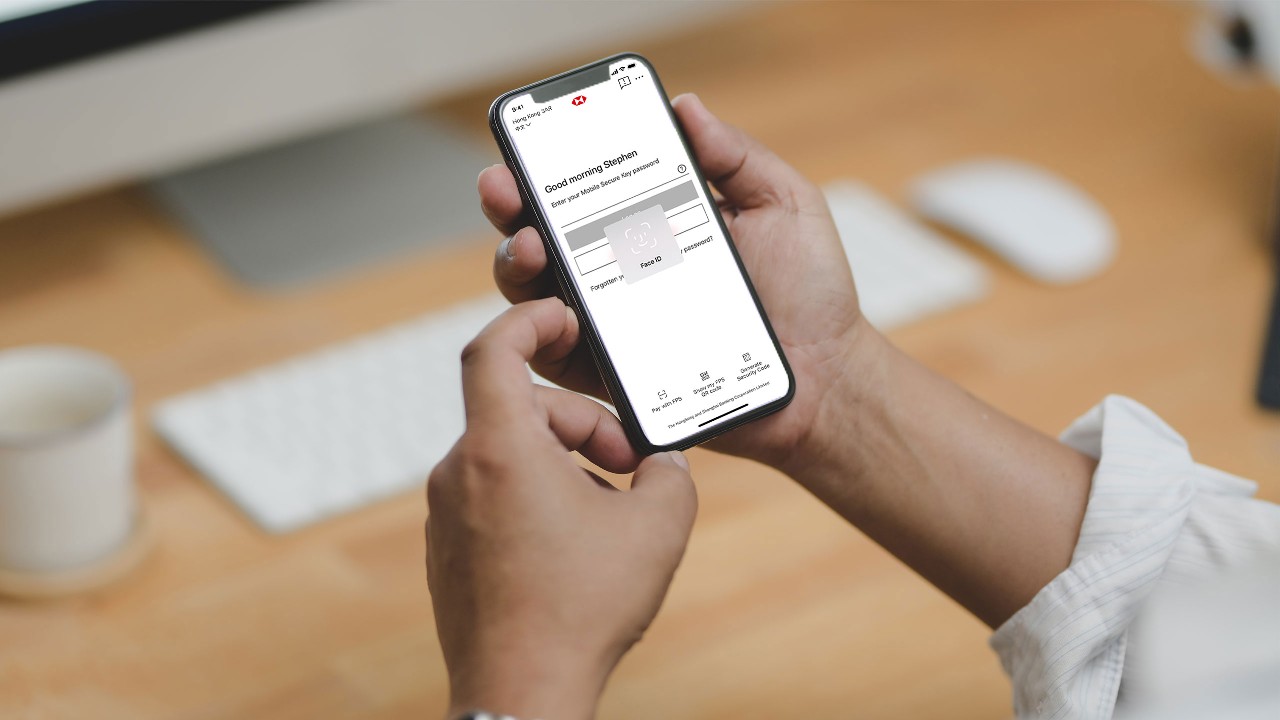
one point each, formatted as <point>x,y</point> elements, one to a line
<point>1171,605</point>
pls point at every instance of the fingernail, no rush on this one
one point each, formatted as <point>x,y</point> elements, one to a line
<point>569,316</point>
<point>508,247</point>
<point>678,458</point>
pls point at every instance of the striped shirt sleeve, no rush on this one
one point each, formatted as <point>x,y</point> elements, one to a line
<point>1154,519</point>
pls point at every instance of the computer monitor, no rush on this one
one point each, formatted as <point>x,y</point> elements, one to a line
<point>94,94</point>
<point>39,34</point>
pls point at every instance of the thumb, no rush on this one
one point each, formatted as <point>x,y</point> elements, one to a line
<point>663,483</point>
<point>747,173</point>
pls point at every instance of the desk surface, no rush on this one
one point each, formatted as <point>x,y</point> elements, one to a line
<point>780,610</point>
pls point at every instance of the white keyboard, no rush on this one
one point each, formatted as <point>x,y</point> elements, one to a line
<point>903,269</point>
<point>325,433</point>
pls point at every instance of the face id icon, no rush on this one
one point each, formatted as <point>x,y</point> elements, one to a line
<point>624,81</point>
<point>643,244</point>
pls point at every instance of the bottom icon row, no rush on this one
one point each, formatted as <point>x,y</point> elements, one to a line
<point>705,375</point>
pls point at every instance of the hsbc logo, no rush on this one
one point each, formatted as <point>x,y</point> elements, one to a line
<point>579,100</point>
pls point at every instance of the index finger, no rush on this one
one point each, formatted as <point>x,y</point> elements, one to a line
<point>496,386</point>
<point>500,199</point>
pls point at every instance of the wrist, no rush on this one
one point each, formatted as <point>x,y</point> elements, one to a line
<point>851,404</point>
<point>528,687</point>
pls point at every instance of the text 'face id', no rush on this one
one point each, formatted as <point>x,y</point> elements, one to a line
<point>643,244</point>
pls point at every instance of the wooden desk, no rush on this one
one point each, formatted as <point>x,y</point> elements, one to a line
<point>780,610</point>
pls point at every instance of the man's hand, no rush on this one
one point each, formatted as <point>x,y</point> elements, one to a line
<point>542,575</point>
<point>982,506</point>
<point>783,231</point>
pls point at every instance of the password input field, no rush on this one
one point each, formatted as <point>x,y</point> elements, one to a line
<point>592,232</point>
<point>602,256</point>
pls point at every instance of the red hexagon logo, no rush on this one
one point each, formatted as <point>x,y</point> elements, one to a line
<point>579,100</point>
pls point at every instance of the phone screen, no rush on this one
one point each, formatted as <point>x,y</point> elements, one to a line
<point>642,242</point>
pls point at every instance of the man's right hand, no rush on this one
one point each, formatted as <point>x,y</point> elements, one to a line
<point>787,240</point>
<point>985,508</point>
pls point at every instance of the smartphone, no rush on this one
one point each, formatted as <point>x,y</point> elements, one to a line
<point>642,253</point>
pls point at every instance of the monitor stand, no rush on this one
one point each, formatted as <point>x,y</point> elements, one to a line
<point>316,208</point>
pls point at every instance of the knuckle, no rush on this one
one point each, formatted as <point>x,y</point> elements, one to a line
<point>473,349</point>
<point>554,370</point>
<point>482,458</point>
<point>443,480</point>
<point>438,486</point>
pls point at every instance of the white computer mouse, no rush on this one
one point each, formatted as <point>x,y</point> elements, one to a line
<point>1039,222</point>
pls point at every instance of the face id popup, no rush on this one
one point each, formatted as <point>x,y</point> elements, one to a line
<point>643,244</point>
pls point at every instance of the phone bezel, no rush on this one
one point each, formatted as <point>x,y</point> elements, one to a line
<point>604,364</point>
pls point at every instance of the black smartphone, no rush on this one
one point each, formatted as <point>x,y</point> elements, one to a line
<point>642,253</point>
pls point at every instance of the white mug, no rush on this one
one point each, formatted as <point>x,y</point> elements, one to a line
<point>67,497</point>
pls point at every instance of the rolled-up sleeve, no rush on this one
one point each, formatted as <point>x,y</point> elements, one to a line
<point>1155,518</point>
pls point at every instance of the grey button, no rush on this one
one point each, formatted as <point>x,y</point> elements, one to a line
<point>594,230</point>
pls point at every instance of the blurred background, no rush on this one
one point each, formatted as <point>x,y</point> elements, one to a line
<point>203,190</point>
